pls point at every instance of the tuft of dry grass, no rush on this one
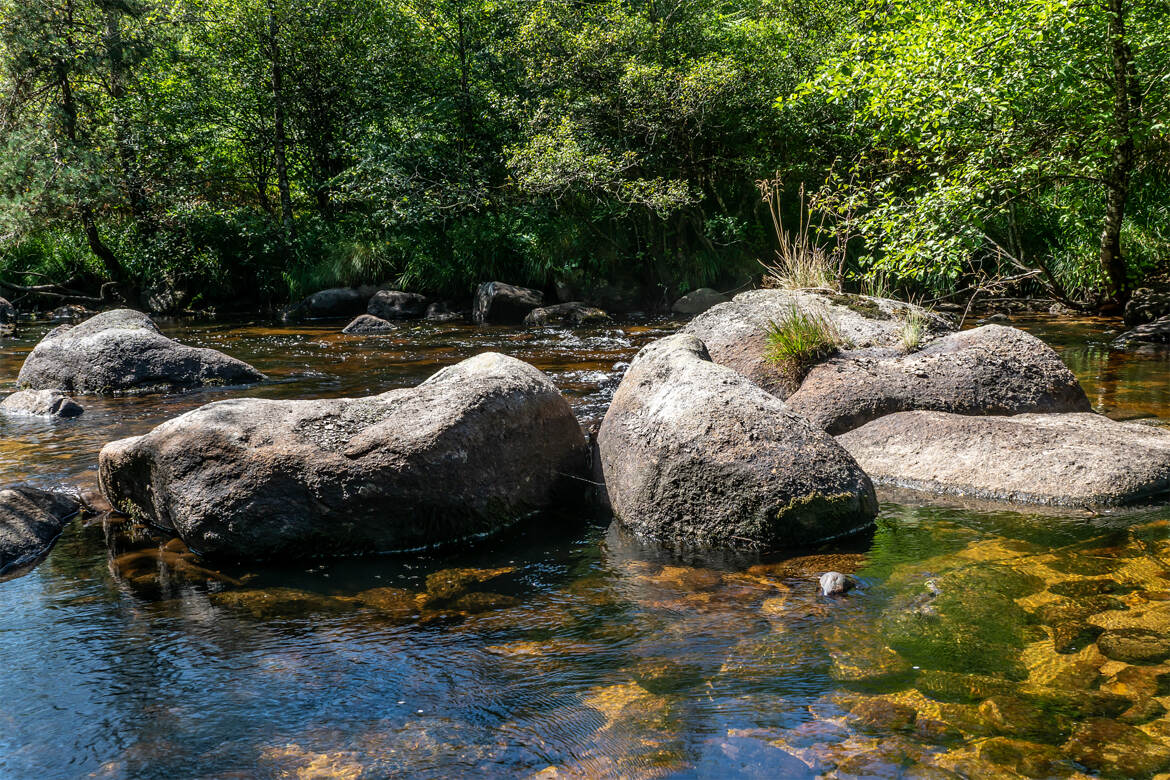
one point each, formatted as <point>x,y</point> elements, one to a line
<point>801,263</point>
<point>800,339</point>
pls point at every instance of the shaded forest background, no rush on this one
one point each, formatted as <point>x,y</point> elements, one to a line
<point>235,153</point>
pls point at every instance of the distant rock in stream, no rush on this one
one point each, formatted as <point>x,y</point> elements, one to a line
<point>698,301</point>
<point>1147,305</point>
<point>1082,460</point>
<point>122,351</point>
<point>1156,332</point>
<point>30,521</point>
<point>694,453</point>
<point>397,305</point>
<point>569,315</point>
<point>8,317</point>
<point>505,304</point>
<point>368,323</point>
<point>41,403</point>
<point>987,370</point>
<point>334,303</point>
<point>471,450</point>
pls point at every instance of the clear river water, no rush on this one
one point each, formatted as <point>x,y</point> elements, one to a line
<point>568,648</point>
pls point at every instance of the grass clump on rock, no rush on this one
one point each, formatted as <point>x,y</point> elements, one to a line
<point>799,340</point>
<point>914,327</point>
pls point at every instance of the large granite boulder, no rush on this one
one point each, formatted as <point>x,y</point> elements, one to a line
<point>397,305</point>
<point>1079,459</point>
<point>1156,332</point>
<point>736,333</point>
<point>698,301</point>
<point>41,403</point>
<point>569,315</point>
<point>333,303</point>
<point>476,447</point>
<point>122,351</point>
<point>694,453</point>
<point>504,303</point>
<point>1146,305</point>
<point>368,323</point>
<point>989,370</point>
<point>30,521</point>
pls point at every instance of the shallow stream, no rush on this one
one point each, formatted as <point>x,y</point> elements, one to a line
<point>985,642</point>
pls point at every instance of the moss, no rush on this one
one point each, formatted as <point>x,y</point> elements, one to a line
<point>864,306</point>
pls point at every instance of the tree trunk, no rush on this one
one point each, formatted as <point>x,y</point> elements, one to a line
<point>280,139</point>
<point>1120,170</point>
<point>132,180</point>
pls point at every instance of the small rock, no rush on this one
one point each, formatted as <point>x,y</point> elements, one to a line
<point>30,521</point>
<point>1156,332</point>
<point>698,301</point>
<point>572,315</point>
<point>368,323</point>
<point>1134,645</point>
<point>882,715</point>
<point>999,318</point>
<point>504,303</point>
<point>442,311</point>
<point>834,583</point>
<point>41,403</point>
<point>1117,749</point>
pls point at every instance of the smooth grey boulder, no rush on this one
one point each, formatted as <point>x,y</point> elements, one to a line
<point>569,315</point>
<point>694,453</point>
<point>698,301</point>
<point>736,333</point>
<point>834,583</point>
<point>368,323</point>
<point>1146,305</point>
<point>30,521</point>
<point>333,303</point>
<point>474,448</point>
<point>504,303</point>
<point>41,403</point>
<point>1080,459</point>
<point>397,305</point>
<point>1156,332</point>
<point>122,351</point>
<point>988,370</point>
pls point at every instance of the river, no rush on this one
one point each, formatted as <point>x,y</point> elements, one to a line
<point>568,647</point>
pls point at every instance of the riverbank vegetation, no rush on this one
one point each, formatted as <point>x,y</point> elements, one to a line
<point>193,153</point>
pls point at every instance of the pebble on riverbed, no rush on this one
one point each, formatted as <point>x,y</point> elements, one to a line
<point>834,583</point>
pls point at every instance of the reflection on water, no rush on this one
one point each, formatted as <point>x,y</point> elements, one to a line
<point>982,643</point>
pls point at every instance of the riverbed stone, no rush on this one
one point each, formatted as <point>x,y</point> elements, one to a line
<point>1117,749</point>
<point>1134,645</point>
<point>468,452</point>
<point>333,303</point>
<point>694,453</point>
<point>1156,332</point>
<point>1076,459</point>
<point>698,301</point>
<point>571,315</point>
<point>397,305</point>
<point>368,323</point>
<point>122,351</point>
<point>502,303</point>
<point>991,370</point>
<point>31,519</point>
<point>41,403</point>
<point>735,333</point>
<point>8,317</point>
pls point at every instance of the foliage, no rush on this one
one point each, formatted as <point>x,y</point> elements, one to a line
<point>800,339</point>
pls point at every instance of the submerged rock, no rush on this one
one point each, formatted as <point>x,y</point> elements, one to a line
<point>988,370</point>
<point>572,315</point>
<point>1117,750</point>
<point>368,323</point>
<point>736,333</point>
<point>1056,459</point>
<point>692,452</point>
<point>474,448</point>
<point>698,301</point>
<point>30,521</point>
<point>41,403</point>
<point>504,303</point>
<point>1156,332</point>
<point>1134,646</point>
<point>122,351</point>
<point>397,305</point>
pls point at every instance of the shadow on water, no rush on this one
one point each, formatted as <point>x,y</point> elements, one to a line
<point>981,641</point>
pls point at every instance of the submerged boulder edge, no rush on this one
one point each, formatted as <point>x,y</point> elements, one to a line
<point>471,450</point>
<point>693,453</point>
<point>122,351</point>
<point>1079,459</point>
<point>31,519</point>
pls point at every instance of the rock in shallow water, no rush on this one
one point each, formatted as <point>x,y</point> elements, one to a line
<point>474,448</point>
<point>397,305</point>
<point>1056,459</point>
<point>368,323</point>
<point>122,351</point>
<point>41,403</point>
<point>30,521</point>
<point>988,370</point>
<point>504,303</point>
<point>736,333</point>
<point>694,453</point>
<point>572,315</point>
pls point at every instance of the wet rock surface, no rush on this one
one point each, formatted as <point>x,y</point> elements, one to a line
<point>735,333</point>
<point>41,403</point>
<point>680,424</point>
<point>256,479</point>
<point>122,351</point>
<point>397,305</point>
<point>334,303</point>
<point>504,303</point>
<point>991,370</point>
<point>1156,332</point>
<point>571,315</point>
<point>1054,459</point>
<point>30,521</point>
<point>368,323</point>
